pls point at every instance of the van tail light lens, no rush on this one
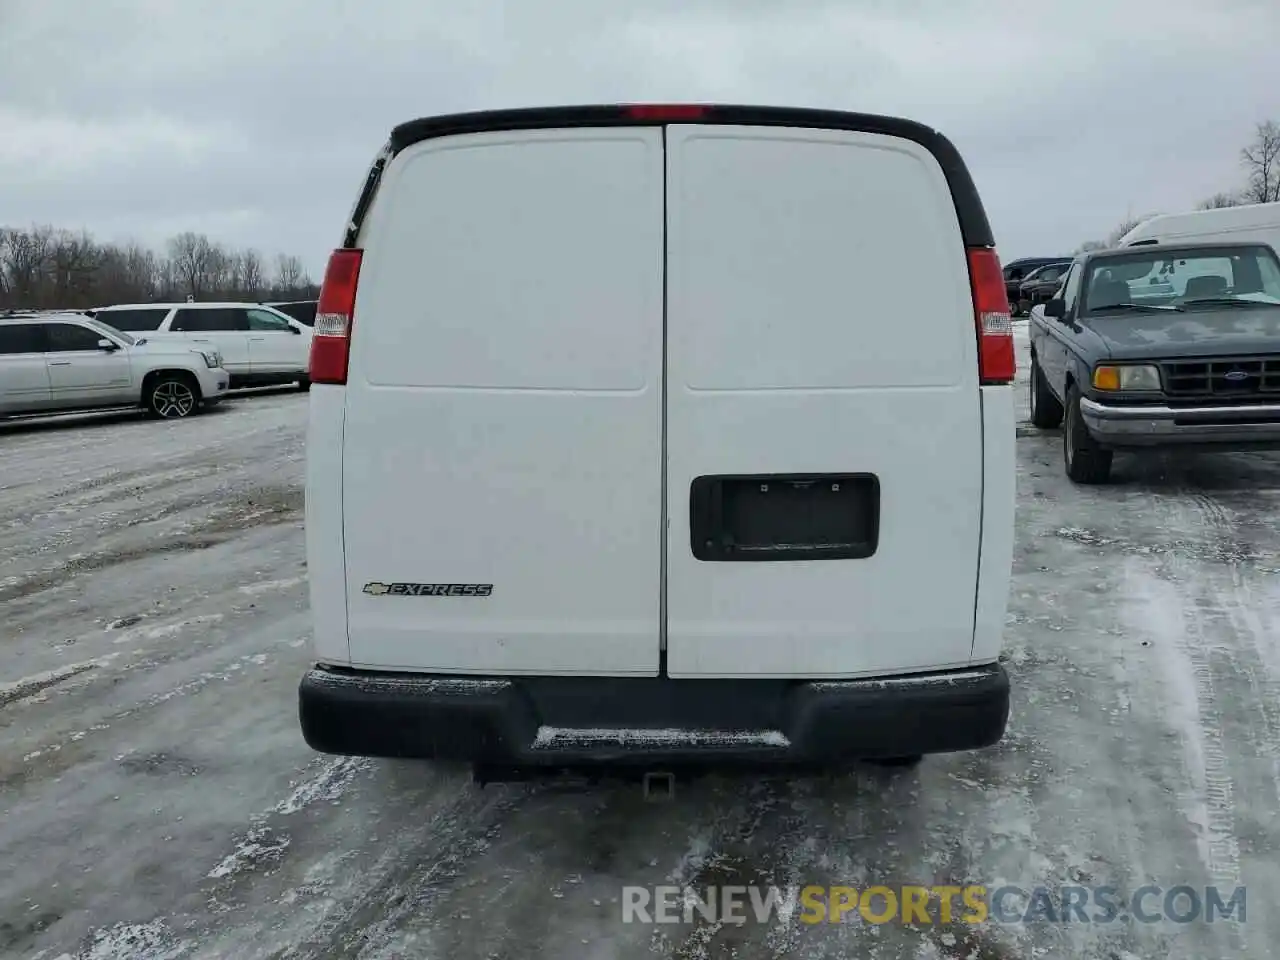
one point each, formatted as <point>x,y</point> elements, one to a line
<point>331,339</point>
<point>996,362</point>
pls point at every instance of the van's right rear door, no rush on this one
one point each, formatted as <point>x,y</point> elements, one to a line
<point>824,433</point>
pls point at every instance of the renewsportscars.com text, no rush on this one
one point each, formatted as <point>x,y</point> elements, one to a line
<point>925,905</point>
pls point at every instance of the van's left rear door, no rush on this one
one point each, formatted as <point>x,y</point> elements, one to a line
<point>503,420</point>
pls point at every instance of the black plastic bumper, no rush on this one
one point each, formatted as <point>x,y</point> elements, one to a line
<point>553,721</point>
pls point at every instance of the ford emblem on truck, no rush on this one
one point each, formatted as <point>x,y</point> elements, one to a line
<point>1235,376</point>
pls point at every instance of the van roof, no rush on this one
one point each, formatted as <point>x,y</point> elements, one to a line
<point>974,226</point>
<point>1173,249</point>
<point>201,305</point>
<point>1245,215</point>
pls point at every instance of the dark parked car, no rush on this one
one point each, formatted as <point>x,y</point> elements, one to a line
<point>1015,271</point>
<point>1040,285</point>
<point>304,311</point>
<point>1157,347</point>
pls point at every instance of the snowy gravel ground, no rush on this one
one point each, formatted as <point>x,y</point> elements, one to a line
<point>157,801</point>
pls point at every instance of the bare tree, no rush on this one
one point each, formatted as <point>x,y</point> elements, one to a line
<point>166,279</point>
<point>74,261</point>
<point>251,271</point>
<point>26,261</point>
<point>142,273</point>
<point>1261,160</point>
<point>1123,227</point>
<point>289,273</point>
<point>113,276</point>
<point>6,286</point>
<point>219,273</point>
<point>190,253</point>
<point>1113,238</point>
<point>1220,200</point>
<point>235,272</point>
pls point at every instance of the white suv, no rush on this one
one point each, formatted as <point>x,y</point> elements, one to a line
<point>624,445</point>
<point>64,362</point>
<point>260,346</point>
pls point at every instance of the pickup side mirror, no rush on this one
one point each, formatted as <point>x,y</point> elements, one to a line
<point>1056,308</point>
<point>295,331</point>
<point>110,346</point>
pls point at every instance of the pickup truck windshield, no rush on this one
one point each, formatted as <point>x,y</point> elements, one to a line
<point>1184,280</point>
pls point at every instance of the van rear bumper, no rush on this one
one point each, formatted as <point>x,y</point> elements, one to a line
<point>555,721</point>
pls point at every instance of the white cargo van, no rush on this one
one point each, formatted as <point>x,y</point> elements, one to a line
<point>625,446</point>
<point>1251,223</point>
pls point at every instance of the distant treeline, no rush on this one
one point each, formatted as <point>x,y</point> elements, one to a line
<point>42,267</point>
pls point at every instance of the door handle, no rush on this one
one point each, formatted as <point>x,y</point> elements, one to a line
<point>59,363</point>
<point>200,339</point>
<point>257,339</point>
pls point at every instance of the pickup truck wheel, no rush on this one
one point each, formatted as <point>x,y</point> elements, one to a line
<point>1046,411</point>
<point>1085,460</point>
<point>171,396</point>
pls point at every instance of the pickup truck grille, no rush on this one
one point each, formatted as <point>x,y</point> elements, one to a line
<point>1223,377</point>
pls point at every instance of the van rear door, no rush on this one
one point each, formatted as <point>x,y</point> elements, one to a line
<point>824,431</point>
<point>501,468</point>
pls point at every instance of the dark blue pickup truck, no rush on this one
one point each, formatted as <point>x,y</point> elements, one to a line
<point>1159,346</point>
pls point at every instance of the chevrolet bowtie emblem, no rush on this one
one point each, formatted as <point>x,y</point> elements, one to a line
<point>377,589</point>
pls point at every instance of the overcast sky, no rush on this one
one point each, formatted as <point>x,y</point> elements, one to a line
<point>254,120</point>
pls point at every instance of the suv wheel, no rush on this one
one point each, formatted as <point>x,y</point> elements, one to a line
<point>1085,460</point>
<point>1046,411</point>
<point>171,396</point>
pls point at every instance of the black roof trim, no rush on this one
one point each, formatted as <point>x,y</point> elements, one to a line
<point>974,226</point>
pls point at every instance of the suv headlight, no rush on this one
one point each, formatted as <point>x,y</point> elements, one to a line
<point>1128,377</point>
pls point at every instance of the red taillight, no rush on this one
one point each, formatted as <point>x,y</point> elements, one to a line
<point>331,342</point>
<point>991,311</point>
<point>665,112</point>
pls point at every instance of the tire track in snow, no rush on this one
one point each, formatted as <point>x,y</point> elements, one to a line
<point>717,854</point>
<point>412,873</point>
<point>380,877</point>
<point>1190,706</point>
<point>1251,618</point>
<point>1181,606</point>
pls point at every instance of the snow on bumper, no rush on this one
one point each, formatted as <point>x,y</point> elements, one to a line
<point>552,721</point>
